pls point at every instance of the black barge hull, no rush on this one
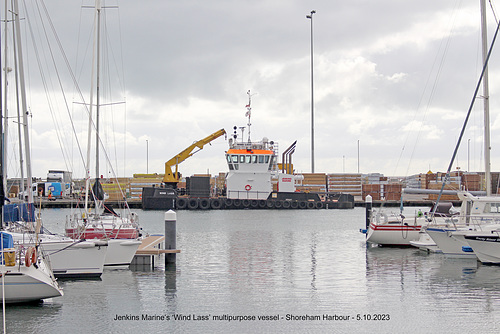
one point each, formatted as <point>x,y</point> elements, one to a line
<point>167,199</point>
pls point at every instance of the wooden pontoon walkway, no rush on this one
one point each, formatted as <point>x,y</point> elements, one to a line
<point>149,246</point>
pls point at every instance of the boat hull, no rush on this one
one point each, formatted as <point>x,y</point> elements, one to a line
<point>121,252</point>
<point>391,234</point>
<point>425,243</point>
<point>486,247</point>
<point>451,242</point>
<point>27,284</point>
<point>99,233</point>
<point>70,259</point>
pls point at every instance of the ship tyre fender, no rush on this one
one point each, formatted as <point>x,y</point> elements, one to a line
<point>320,205</point>
<point>228,203</point>
<point>302,205</point>
<point>237,203</point>
<point>311,205</point>
<point>30,257</point>
<point>216,203</point>
<point>193,204</point>
<point>204,203</point>
<point>181,203</point>
<point>245,203</point>
<point>278,204</point>
<point>262,203</point>
<point>270,204</point>
<point>254,204</point>
<point>294,205</point>
<point>286,204</point>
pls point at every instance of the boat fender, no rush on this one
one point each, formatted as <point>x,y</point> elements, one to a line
<point>216,203</point>
<point>204,204</point>
<point>467,249</point>
<point>30,257</point>
<point>181,203</point>
<point>248,187</point>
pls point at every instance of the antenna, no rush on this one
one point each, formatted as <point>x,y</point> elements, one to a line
<point>249,113</point>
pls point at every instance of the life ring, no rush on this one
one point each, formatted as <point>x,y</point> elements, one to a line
<point>30,257</point>
<point>248,187</point>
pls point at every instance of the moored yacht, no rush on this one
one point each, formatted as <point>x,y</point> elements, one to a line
<point>478,214</point>
<point>25,275</point>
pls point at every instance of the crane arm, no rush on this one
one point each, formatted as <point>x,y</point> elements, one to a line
<point>173,178</point>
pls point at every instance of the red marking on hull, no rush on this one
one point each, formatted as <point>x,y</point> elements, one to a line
<point>395,228</point>
<point>100,234</point>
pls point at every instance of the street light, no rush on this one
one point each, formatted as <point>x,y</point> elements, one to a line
<point>312,93</point>
<point>147,156</point>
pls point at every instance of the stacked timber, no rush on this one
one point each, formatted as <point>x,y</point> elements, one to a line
<point>471,181</point>
<point>347,183</point>
<point>143,180</point>
<point>438,186</point>
<point>313,182</point>
<point>388,192</point>
<point>117,189</point>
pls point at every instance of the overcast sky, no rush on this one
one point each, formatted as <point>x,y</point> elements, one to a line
<point>395,77</point>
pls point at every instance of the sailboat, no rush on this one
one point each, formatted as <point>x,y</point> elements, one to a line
<point>68,258</point>
<point>122,232</point>
<point>25,274</point>
<point>479,221</point>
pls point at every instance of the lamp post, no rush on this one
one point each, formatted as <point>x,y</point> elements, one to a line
<point>147,156</point>
<point>312,93</point>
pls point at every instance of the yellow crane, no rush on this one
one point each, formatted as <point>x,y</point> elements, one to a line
<point>172,178</point>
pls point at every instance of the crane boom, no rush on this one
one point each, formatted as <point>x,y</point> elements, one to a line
<point>172,178</point>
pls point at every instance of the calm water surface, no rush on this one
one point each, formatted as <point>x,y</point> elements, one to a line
<point>309,271</point>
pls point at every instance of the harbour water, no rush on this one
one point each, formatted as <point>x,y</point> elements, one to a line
<point>273,271</point>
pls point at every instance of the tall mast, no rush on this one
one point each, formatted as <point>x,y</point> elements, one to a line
<point>98,62</point>
<point>486,99</point>
<point>24,108</point>
<point>2,185</point>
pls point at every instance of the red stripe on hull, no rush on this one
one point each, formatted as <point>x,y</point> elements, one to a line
<point>395,228</point>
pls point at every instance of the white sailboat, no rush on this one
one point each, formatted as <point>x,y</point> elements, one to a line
<point>122,232</point>
<point>67,257</point>
<point>25,275</point>
<point>480,215</point>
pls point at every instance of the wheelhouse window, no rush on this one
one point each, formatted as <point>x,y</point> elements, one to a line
<point>272,162</point>
<point>255,158</point>
<point>261,159</point>
<point>248,159</point>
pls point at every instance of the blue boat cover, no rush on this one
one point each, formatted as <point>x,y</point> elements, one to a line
<point>19,212</point>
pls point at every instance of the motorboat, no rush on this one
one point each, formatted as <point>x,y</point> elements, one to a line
<point>478,215</point>
<point>486,246</point>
